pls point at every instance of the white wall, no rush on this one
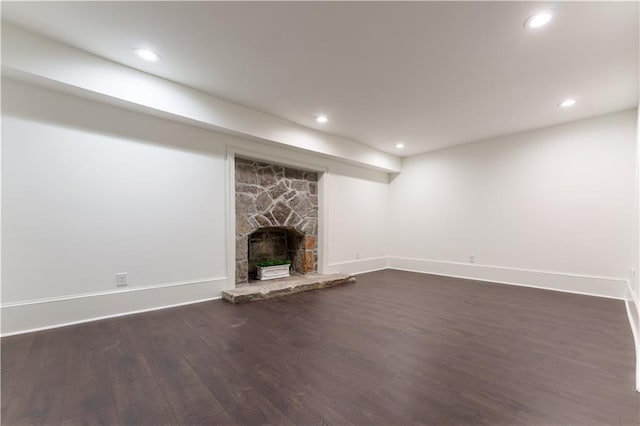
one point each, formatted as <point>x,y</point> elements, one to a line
<point>633,298</point>
<point>635,282</point>
<point>90,190</point>
<point>358,232</point>
<point>550,208</point>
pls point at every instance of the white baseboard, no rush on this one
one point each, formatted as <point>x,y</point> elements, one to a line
<point>23,317</point>
<point>633,312</point>
<point>42,314</point>
<point>359,266</point>
<point>572,283</point>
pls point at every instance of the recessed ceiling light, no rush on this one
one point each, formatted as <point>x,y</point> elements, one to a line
<point>147,54</point>
<point>567,103</point>
<point>538,20</point>
<point>321,118</point>
<point>400,145</point>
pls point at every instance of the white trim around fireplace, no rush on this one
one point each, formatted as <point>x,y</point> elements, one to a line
<point>230,195</point>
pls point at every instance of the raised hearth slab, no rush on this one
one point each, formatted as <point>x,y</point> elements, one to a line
<point>262,290</point>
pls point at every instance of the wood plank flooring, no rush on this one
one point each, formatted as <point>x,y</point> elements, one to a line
<point>395,348</point>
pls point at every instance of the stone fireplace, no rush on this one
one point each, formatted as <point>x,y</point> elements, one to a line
<point>276,217</point>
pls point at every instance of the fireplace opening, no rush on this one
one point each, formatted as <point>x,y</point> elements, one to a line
<point>279,243</point>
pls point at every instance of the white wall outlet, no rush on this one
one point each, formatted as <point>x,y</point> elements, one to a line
<point>472,258</point>
<point>121,279</point>
<point>632,275</point>
<point>357,255</point>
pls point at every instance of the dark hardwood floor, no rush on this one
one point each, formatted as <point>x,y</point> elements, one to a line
<point>395,348</point>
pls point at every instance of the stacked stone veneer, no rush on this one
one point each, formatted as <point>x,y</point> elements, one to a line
<point>270,196</point>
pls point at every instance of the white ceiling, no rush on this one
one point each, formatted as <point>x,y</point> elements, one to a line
<point>430,74</point>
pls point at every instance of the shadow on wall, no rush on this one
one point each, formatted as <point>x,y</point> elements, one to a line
<point>36,103</point>
<point>32,103</point>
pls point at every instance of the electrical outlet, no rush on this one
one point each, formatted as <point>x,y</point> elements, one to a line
<point>357,255</point>
<point>632,275</point>
<point>121,279</point>
<point>472,258</point>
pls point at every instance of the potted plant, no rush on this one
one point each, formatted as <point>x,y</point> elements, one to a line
<point>271,269</point>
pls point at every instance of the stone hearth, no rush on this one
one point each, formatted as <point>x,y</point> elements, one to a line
<point>258,290</point>
<point>276,216</point>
